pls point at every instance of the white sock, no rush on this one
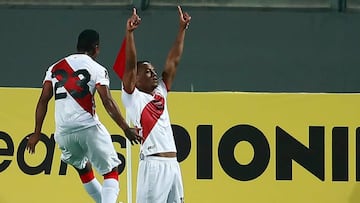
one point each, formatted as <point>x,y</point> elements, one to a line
<point>110,191</point>
<point>93,188</point>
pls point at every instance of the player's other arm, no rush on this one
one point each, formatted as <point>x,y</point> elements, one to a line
<point>111,107</point>
<point>129,78</point>
<point>176,50</point>
<point>113,110</point>
<point>40,113</point>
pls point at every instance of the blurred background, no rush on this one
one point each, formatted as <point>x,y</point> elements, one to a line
<point>231,45</point>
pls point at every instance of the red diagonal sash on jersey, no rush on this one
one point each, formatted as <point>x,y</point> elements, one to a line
<point>151,114</point>
<point>75,86</point>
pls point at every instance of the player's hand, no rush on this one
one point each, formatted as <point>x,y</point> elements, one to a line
<point>133,22</point>
<point>184,18</point>
<point>132,134</point>
<point>33,139</point>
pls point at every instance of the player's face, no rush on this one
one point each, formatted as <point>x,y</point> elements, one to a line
<point>147,77</point>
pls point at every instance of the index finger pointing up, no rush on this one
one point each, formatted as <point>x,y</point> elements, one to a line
<point>180,11</point>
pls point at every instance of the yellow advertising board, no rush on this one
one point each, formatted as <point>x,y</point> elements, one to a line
<point>233,147</point>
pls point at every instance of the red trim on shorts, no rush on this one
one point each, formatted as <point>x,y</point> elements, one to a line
<point>112,174</point>
<point>87,177</point>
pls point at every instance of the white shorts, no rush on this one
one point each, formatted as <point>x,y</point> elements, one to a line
<point>91,144</point>
<point>159,181</point>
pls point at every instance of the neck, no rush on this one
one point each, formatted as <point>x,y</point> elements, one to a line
<point>87,53</point>
<point>151,92</point>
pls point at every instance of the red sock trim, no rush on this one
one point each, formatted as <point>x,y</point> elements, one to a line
<point>87,177</point>
<point>112,174</point>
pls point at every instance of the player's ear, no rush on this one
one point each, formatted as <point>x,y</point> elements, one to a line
<point>95,52</point>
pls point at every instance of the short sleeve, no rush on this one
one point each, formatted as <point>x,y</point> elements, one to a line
<point>102,76</point>
<point>48,74</point>
<point>162,88</point>
<point>126,97</point>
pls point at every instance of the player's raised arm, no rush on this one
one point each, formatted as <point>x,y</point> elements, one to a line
<point>129,78</point>
<point>176,51</point>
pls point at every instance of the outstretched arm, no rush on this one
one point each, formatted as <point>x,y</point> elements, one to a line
<point>40,113</point>
<point>176,51</point>
<point>114,112</point>
<point>129,78</point>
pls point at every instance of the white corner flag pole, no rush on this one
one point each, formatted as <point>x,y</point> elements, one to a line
<point>128,166</point>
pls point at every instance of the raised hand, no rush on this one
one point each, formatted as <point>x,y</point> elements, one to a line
<point>133,21</point>
<point>184,18</point>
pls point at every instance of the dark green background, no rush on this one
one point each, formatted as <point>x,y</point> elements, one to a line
<point>225,50</point>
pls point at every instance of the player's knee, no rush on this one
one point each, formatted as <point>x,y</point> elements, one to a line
<point>85,170</point>
<point>87,177</point>
<point>114,174</point>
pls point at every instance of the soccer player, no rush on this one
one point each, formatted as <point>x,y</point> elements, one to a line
<point>83,140</point>
<point>144,96</point>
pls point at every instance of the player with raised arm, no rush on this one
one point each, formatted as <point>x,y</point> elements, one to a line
<point>144,96</point>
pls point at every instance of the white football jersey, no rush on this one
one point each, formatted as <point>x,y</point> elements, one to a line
<point>150,113</point>
<point>74,79</point>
